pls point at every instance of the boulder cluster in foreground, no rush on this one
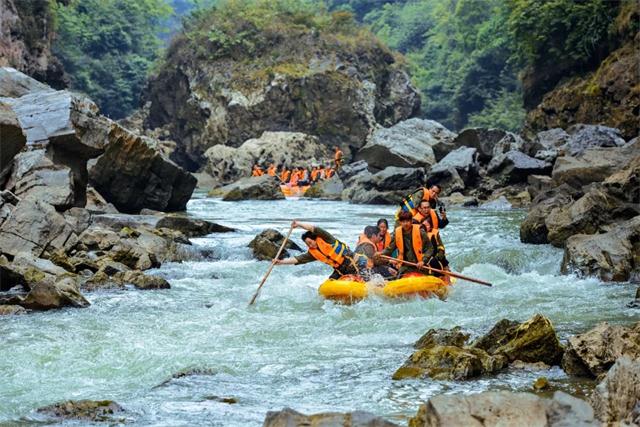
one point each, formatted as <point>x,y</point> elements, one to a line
<point>71,185</point>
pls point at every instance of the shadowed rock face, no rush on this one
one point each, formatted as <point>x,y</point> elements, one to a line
<point>12,140</point>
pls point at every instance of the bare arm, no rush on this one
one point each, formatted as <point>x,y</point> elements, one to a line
<point>305,226</point>
<point>286,261</point>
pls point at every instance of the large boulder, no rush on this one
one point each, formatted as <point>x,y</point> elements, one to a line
<point>252,188</point>
<point>411,143</point>
<point>583,137</point>
<point>395,178</point>
<point>533,228</point>
<point>611,256</point>
<point>587,215</point>
<point>617,398</point>
<point>592,353</point>
<point>448,179</point>
<point>340,93</point>
<point>292,149</point>
<point>503,408</point>
<point>464,160</point>
<point>266,244</point>
<point>290,418</point>
<point>49,296</point>
<point>625,184</point>
<point>13,140</point>
<point>433,337</point>
<point>490,143</point>
<point>132,174</point>
<point>593,165</point>
<point>547,144</point>
<point>532,341</point>
<point>14,83</point>
<point>515,167</point>
<point>34,227</point>
<point>28,271</point>
<point>191,227</point>
<point>385,187</point>
<point>35,176</point>
<point>331,189</point>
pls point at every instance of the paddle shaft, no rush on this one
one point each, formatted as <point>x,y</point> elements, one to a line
<point>273,263</point>
<point>448,273</point>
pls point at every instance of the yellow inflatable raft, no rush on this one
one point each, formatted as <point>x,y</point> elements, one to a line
<point>349,289</point>
<point>293,191</point>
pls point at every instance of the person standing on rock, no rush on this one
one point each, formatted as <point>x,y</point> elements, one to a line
<point>412,243</point>
<point>325,248</point>
<point>338,157</point>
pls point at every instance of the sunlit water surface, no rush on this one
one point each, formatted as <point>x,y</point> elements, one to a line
<point>292,349</point>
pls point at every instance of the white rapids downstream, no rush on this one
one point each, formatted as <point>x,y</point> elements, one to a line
<point>292,349</point>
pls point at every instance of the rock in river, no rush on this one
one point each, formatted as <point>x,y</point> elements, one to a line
<point>85,410</point>
<point>266,244</point>
<point>617,398</point>
<point>252,188</point>
<point>290,418</point>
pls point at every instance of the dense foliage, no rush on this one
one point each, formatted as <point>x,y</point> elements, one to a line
<point>108,46</point>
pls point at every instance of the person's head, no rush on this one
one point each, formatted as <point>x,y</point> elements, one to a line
<point>309,239</point>
<point>424,207</point>
<point>383,225</point>
<point>406,220</point>
<point>373,233</point>
<point>435,190</point>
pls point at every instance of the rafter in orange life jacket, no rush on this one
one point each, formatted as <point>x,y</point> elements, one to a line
<point>385,241</point>
<point>363,239</point>
<point>416,240</point>
<point>332,255</point>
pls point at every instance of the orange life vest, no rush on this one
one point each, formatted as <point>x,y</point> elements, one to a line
<point>385,242</point>
<point>329,173</point>
<point>295,177</point>
<point>271,171</point>
<point>332,255</point>
<point>364,239</point>
<point>257,172</point>
<point>284,176</point>
<point>434,221</point>
<point>416,239</point>
<point>338,155</point>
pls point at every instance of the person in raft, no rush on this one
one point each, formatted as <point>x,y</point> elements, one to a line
<point>411,202</point>
<point>428,220</point>
<point>365,254</point>
<point>385,236</point>
<point>325,248</point>
<point>412,243</point>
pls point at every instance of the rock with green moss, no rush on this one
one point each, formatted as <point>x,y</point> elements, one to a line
<point>455,337</point>
<point>85,410</point>
<point>268,68</point>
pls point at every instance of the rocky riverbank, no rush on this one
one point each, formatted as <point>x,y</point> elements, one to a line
<point>73,185</point>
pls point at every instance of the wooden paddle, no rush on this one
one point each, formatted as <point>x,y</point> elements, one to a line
<point>448,273</point>
<point>273,263</point>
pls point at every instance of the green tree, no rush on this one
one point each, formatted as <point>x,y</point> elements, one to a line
<point>108,46</point>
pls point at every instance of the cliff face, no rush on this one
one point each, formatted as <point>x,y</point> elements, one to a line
<point>26,33</point>
<point>608,95</point>
<point>226,89</point>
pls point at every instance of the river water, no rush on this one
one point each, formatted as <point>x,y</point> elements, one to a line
<point>292,349</point>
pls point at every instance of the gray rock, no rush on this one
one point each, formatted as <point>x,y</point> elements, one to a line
<point>290,418</point>
<point>352,169</point>
<point>14,84</point>
<point>191,227</point>
<point>433,337</point>
<point>464,160</point>
<point>583,137</point>
<point>593,165</point>
<point>394,178</point>
<point>27,271</point>
<point>489,142</point>
<point>266,244</point>
<point>49,296</point>
<point>499,204</point>
<point>97,204</point>
<point>611,256</point>
<point>448,179</point>
<point>410,143</point>
<point>616,398</point>
<point>85,410</point>
<point>546,144</point>
<point>458,199</point>
<point>253,188</point>
<point>515,167</point>
<point>13,140</point>
<point>538,184</point>
<point>504,408</point>
<point>34,227</point>
<point>592,353</point>
<point>9,310</point>
<point>331,189</point>
<point>625,184</point>
<point>132,174</point>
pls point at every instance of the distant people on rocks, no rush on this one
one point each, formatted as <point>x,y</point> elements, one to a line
<point>338,157</point>
<point>296,176</point>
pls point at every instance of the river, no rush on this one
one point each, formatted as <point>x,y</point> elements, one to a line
<point>292,349</point>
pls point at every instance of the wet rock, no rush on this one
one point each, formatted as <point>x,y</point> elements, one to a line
<point>503,408</point>
<point>13,140</point>
<point>253,188</point>
<point>515,167</point>
<point>9,310</point>
<point>408,144</point>
<point>330,189</point>
<point>517,195</point>
<point>36,177</point>
<point>290,418</point>
<point>448,337</point>
<point>449,363</point>
<point>85,410</point>
<point>141,280</point>
<point>110,277</point>
<point>191,227</point>
<point>266,244</point>
<point>534,227</point>
<point>132,174</point>
<point>592,353</point>
<point>616,399</point>
<point>532,341</point>
<point>49,296</point>
<point>489,142</point>
<point>583,137</point>
<point>611,256</point>
<point>292,149</point>
<point>592,165</point>
<point>541,383</point>
<point>34,227</point>
<point>499,204</point>
<point>464,160</point>
<point>587,215</point>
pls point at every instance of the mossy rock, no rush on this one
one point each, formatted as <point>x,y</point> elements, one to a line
<point>85,410</point>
